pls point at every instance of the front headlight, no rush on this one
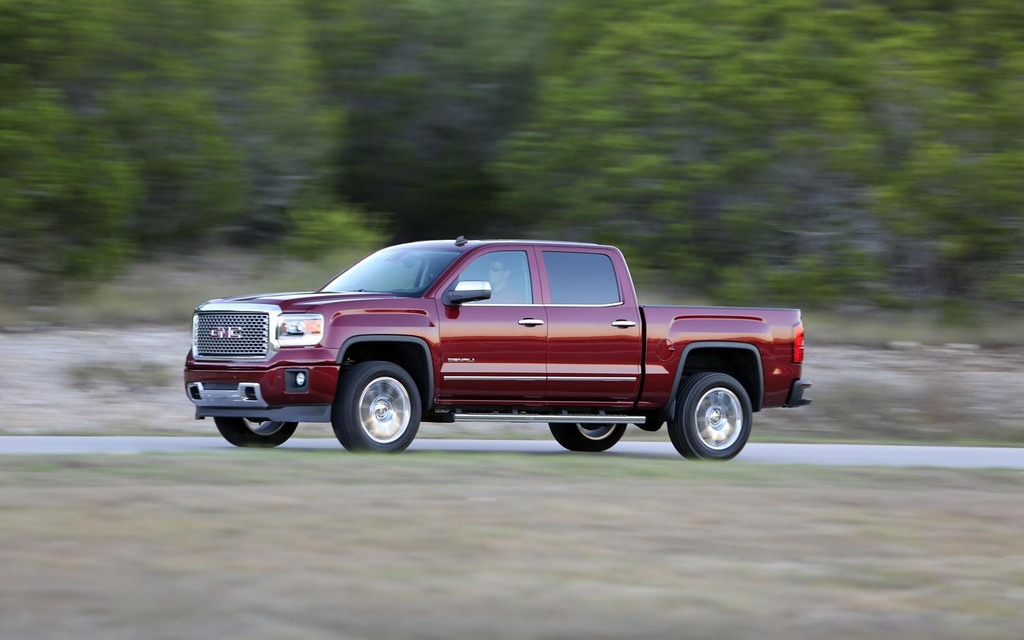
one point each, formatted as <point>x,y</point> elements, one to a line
<point>298,330</point>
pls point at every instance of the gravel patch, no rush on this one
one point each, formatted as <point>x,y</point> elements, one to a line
<point>129,381</point>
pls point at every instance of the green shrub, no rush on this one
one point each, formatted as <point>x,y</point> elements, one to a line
<point>319,231</point>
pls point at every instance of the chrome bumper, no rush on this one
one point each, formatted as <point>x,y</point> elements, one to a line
<point>244,395</point>
<point>244,400</point>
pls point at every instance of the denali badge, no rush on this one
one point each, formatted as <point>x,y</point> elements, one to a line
<point>226,332</point>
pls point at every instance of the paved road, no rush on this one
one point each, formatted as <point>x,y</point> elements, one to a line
<point>819,454</point>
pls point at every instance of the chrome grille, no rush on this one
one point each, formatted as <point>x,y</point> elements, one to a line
<point>230,335</point>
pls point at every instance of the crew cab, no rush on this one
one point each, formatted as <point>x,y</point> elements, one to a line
<point>490,331</point>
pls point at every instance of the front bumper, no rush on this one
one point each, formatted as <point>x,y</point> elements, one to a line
<point>796,394</point>
<point>270,394</point>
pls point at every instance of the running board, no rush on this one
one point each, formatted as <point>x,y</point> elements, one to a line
<point>537,417</point>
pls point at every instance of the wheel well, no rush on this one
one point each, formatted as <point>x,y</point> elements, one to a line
<point>742,364</point>
<point>411,356</point>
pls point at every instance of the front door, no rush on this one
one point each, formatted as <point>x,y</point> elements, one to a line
<point>493,351</point>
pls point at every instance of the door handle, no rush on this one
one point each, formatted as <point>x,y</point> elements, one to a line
<point>531,322</point>
<point>623,324</point>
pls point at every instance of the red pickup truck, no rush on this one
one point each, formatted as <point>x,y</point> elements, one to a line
<point>490,331</point>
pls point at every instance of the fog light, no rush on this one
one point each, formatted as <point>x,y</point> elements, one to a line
<point>296,380</point>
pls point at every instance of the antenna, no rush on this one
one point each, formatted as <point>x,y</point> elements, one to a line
<point>461,241</point>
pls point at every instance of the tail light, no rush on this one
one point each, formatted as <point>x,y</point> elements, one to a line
<point>798,343</point>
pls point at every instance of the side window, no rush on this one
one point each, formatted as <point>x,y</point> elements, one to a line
<point>581,278</point>
<point>509,275</point>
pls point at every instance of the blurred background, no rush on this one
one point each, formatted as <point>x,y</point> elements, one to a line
<point>860,159</point>
<point>827,154</point>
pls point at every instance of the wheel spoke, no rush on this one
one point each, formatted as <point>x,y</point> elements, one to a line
<point>384,410</point>
<point>719,418</point>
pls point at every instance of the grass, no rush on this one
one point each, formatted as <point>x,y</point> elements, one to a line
<point>911,329</point>
<point>121,382</point>
<point>134,377</point>
<point>277,544</point>
<point>166,291</point>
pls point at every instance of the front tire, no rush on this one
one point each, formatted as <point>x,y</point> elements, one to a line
<point>377,408</point>
<point>714,418</point>
<point>255,432</point>
<point>587,437</point>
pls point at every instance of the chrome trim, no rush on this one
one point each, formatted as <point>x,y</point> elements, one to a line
<point>544,305</point>
<point>273,315</point>
<point>542,378</point>
<point>562,418</point>
<point>589,306</point>
<point>595,379</point>
<point>484,303</point>
<point>251,307</point>
<point>473,285</point>
<point>226,397</point>
<point>498,378</point>
<point>530,322</point>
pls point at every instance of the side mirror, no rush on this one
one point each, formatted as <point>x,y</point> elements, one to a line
<point>468,291</point>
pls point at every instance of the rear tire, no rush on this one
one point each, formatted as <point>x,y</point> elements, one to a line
<point>587,437</point>
<point>377,408</point>
<point>255,432</point>
<point>714,418</point>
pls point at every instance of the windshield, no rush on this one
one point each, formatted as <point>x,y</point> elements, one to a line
<point>402,271</point>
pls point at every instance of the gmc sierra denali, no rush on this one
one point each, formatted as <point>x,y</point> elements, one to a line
<point>490,331</point>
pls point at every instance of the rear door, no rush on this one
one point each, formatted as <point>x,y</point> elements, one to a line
<point>594,329</point>
<point>493,351</point>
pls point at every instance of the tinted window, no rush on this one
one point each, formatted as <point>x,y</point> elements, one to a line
<point>509,275</point>
<point>398,270</point>
<point>581,278</point>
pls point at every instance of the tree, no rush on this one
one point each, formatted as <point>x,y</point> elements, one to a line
<point>785,147</point>
<point>218,106</point>
<point>67,191</point>
<point>430,87</point>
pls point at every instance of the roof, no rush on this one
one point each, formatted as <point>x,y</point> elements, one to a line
<point>469,244</point>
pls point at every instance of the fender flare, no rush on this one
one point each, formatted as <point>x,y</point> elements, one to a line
<point>428,397</point>
<point>670,409</point>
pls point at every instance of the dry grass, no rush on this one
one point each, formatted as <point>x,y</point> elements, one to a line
<point>874,328</point>
<point>111,375</point>
<point>331,545</point>
<point>935,395</point>
<point>168,290</point>
<point>120,382</point>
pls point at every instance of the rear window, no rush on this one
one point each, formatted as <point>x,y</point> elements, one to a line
<point>581,278</point>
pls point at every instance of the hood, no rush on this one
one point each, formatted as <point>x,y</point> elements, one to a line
<point>303,300</point>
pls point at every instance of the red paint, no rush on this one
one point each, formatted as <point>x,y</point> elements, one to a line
<point>540,355</point>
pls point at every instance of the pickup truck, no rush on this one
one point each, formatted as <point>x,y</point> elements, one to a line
<point>490,331</point>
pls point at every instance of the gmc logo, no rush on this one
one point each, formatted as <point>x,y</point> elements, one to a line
<point>222,333</point>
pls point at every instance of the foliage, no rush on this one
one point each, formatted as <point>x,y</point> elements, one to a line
<point>806,152</point>
<point>430,88</point>
<point>318,232</point>
<point>818,151</point>
<point>67,191</point>
<point>139,126</point>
